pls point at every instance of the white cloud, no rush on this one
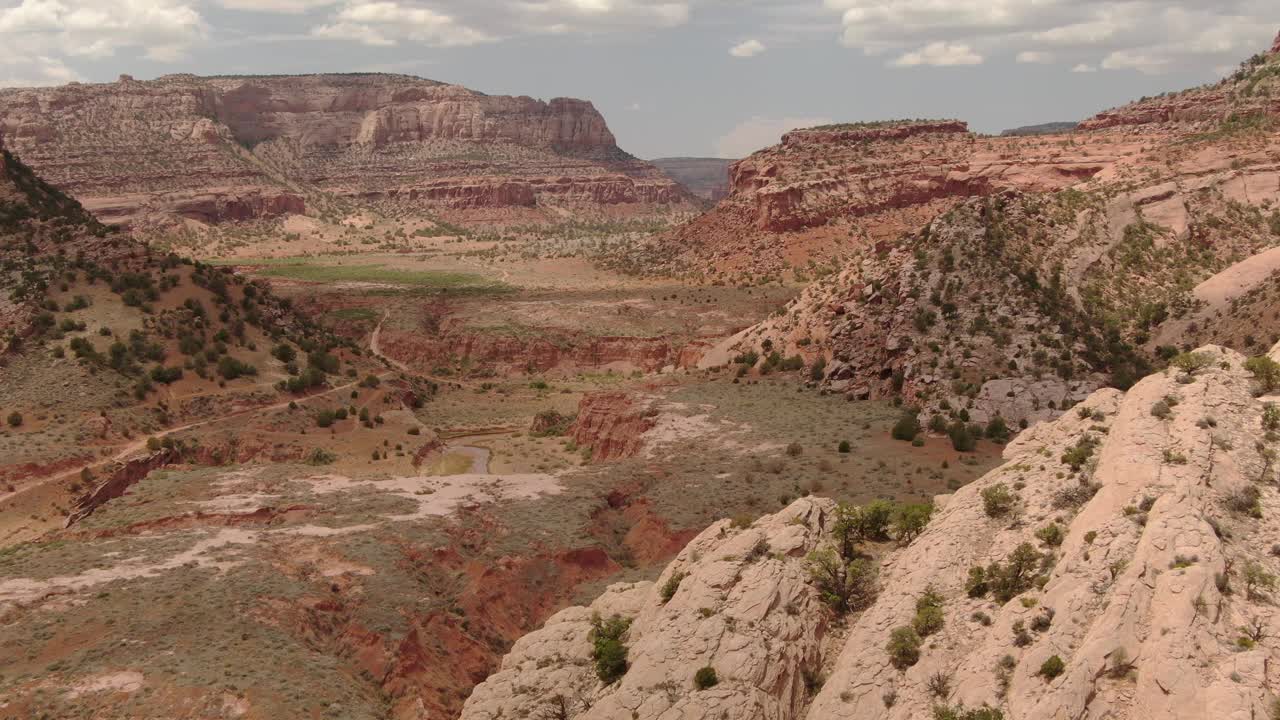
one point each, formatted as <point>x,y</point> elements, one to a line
<point>1084,68</point>
<point>1136,35</point>
<point>1034,58</point>
<point>746,49</point>
<point>161,30</point>
<point>34,71</point>
<point>290,7</point>
<point>939,54</point>
<point>761,132</point>
<point>388,23</point>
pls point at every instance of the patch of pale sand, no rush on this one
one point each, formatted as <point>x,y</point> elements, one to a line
<point>237,478</point>
<point>246,502</point>
<point>300,224</point>
<point>437,496</point>
<point>1239,279</point>
<point>321,531</point>
<point>326,563</point>
<point>127,681</point>
<point>23,590</point>
<point>674,427</point>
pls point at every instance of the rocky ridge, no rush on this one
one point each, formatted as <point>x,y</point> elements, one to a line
<point>1058,291</point>
<point>736,600</point>
<point>230,148</point>
<point>1143,587</point>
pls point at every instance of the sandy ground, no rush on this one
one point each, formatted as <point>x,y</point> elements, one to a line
<point>1237,280</point>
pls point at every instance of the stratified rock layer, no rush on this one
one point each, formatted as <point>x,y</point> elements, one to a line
<point>231,148</point>
<point>1143,629</point>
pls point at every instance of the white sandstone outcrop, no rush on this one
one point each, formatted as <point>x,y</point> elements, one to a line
<point>1156,595</point>
<point>744,607</point>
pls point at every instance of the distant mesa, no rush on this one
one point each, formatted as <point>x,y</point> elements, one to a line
<point>239,147</point>
<point>1050,128</point>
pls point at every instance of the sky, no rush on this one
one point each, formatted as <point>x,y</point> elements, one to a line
<point>677,77</point>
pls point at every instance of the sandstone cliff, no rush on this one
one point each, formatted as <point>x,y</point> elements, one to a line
<point>231,148</point>
<point>735,600</point>
<point>1128,574</point>
<point>1020,303</point>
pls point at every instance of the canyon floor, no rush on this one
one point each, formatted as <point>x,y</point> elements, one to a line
<point>381,569</point>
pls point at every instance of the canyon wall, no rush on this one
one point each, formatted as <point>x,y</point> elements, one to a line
<point>232,148</point>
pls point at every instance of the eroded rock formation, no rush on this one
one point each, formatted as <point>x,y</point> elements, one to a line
<point>1142,520</point>
<point>735,600</point>
<point>232,148</point>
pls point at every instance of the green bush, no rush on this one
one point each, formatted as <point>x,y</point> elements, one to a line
<point>1265,370</point>
<point>976,584</point>
<point>929,617</point>
<point>844,447</point>
<point>907,427</point>
<point>230,368</point>
<point>997,500</point>
<point>607,648</point>
<point>15,419</point>
<point>997,430</point>
<point>705,678</point>
<point>963,439</point>
<point>670,587</point>
<point>1050,534</point>
<point>845,586</point>
<point>910,519</point>
<point>1052,668</point>
<point>903,647</point>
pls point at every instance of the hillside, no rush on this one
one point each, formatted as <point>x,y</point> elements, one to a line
<point>1018,304</point>
<point>215,149</point>
<point>1119,564</point>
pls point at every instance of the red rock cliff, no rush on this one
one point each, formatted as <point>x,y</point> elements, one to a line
<point>231,148</point>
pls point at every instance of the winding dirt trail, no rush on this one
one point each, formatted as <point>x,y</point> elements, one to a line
<point>375,347</point>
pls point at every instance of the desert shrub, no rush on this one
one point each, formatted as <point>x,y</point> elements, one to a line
<point>910,519</point>
<point>795,450</point>
<point>323,361</point>
<point>945,712</point>
<point>1077,455</point>
<point>164,375</point>
<point>1162,410</point>
<point>320,456</point>
<point>284,353</point>
<point>14,419</point>
<point>929,617</point>
<point>325,418</point>
<point>1265,370</point>
<point>963,438</point>
<point>844,447</point>
<point>672,584</point>
<point>1258,583</point>
<point>975,585</point>
<point>997,500</point>
<point>607,648</point>
<point>1192,362</point>
<point>875,518</point>
<point>1244,499</point>
<point>907,427</point>
<point>1271,417</point>
<point>230,368</point>
<point>705,678</point>
<point>1050,534</point>
<point>1016,575</point>
<point>997,430</point>
<point>370,381</point>
<point>903,647</point>
<point>1076,495</point>
<point>1052,668</point>
<point>845,586</point>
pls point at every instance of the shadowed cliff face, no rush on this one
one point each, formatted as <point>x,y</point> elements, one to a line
<point>236,148</point>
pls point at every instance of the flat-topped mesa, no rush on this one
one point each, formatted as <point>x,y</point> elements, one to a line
<point>259,145</point>
<point>858,132</point>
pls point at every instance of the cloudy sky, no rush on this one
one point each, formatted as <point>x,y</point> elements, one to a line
<point>677,77</point>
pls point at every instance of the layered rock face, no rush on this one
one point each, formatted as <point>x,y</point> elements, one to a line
<point>227,148</point>
<point>825,191</point>
<point>1141,524</point>
<point>1022,302</point>
<point>1147,597</point>
<point>612,425</point>
<point>739,603</point>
